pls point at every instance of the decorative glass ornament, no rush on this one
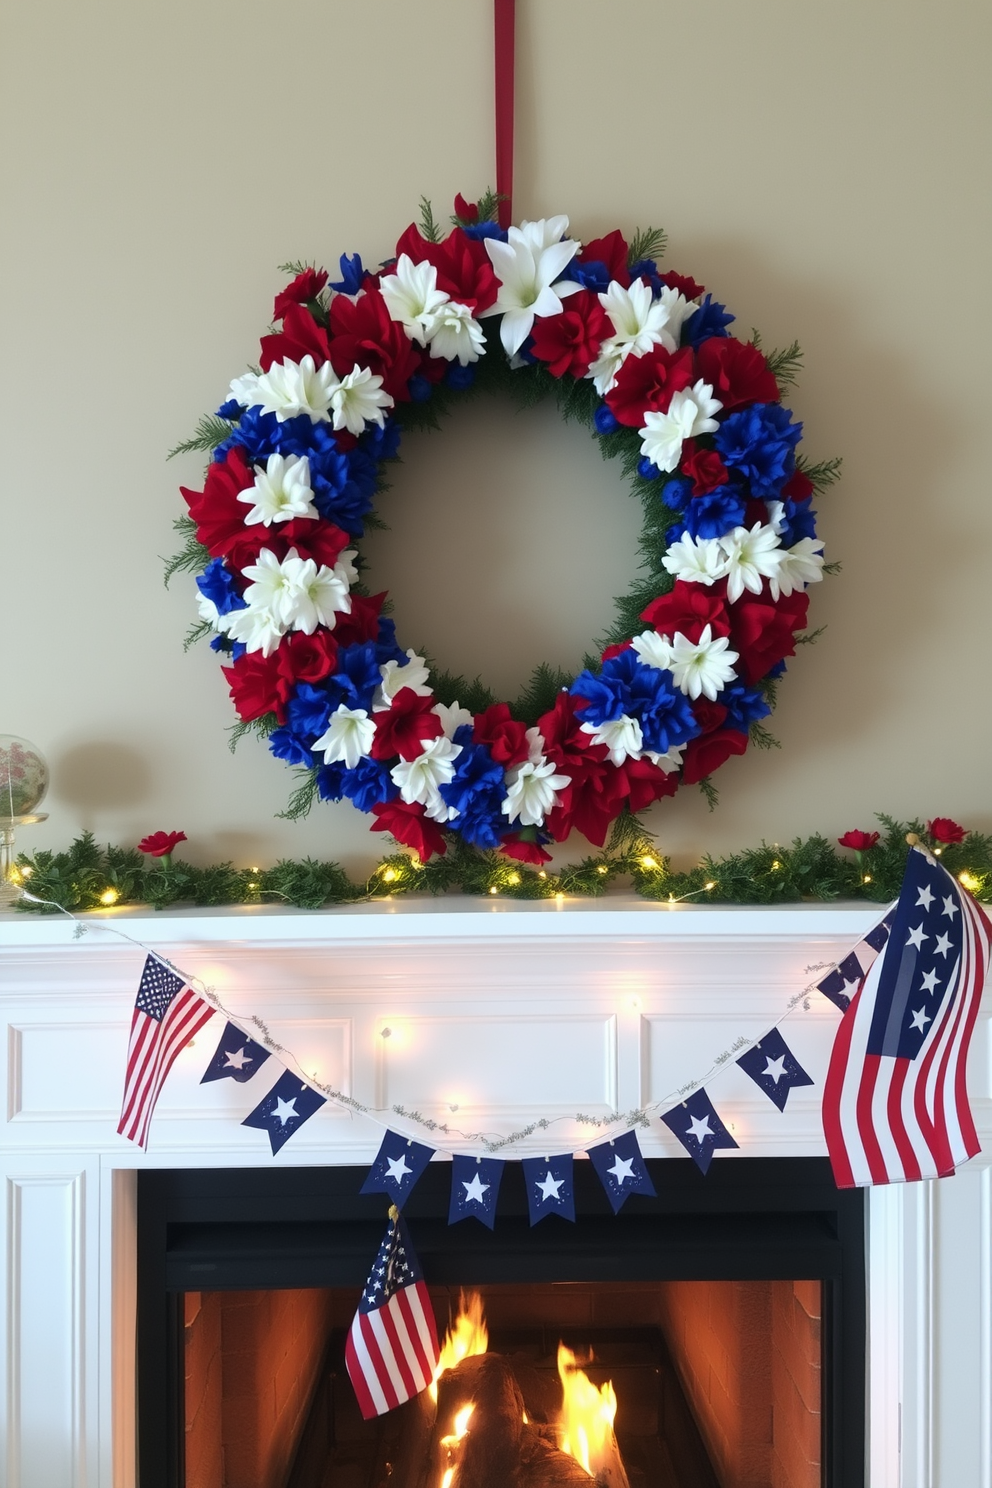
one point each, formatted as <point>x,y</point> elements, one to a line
<point>23,783</point>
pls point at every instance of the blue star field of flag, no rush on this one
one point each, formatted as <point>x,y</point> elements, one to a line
<point>157,988</point>
<point>550,1186</point>
<point>925,949</point>
<point>395,1266</point>
<point>237,1057</point>
<point>841,984</point>
<point>475,1188</point>
<point>621,1169</point>
<point>772,1065</point>
<point>397,1167</point>
<point>283,1111</point>
<point>698,1128</point>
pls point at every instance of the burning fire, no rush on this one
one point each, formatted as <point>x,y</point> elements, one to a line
<point>468,1335</point>
<point>585,1428</point>
<point>451,1442</point>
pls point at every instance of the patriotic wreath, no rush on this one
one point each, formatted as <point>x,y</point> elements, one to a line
<point>645,359</point>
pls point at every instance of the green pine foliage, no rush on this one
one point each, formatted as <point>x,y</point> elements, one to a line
<point>209,433</point>
<point>648,242</point>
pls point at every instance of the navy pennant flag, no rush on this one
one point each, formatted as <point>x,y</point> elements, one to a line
<point>698,1128</point>
<point>167,1013</point>
<point>772,1065</point>
<point>621,1169</point>
<point>397,1167</point>
<point>841,984</point>
<point>475,1188</point>
<point>237,1057</point>
<point>283,1111</point>
<point>895,1103</point>
<point>549,1185</point>
<point>392,1349</point>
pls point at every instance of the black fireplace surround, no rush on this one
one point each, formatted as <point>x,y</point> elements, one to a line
<point>748,1219</point>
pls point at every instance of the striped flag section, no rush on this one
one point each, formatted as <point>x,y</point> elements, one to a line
<point>895,1103</point>
<point>167,1013</point>
<point>392,1349</point>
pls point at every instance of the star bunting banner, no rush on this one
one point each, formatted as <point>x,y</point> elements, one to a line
<point>237,1057</point>
<point>773,1066</point>
<point>475,1188</point>
<point>698,1128</point>
<point>550,1187</point>
<point>397,1167</point>
<point>621,1169</point>
<point>841,984</point>
<point>283,1111</point>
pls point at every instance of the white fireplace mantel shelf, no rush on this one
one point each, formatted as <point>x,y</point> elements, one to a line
<point>481,1013</point>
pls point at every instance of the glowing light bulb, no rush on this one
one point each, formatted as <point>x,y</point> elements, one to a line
<point>542,874</point>
<point>602,868</point>
<point>969,881</point>
<point>494,890</point>
<point>388,875</point>
<point>710,885</point>
<point>776,865</point>
<point>866,878</point>
<point>109,896</point>
<point>514,879</point>
<point>648,862</point>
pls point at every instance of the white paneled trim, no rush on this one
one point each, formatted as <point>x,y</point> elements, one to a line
<point>884,1241</point>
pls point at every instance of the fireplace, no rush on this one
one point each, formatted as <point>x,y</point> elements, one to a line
<point>729,1314</point>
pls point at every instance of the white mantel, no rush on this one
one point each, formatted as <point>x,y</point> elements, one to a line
<point>505,1011</point>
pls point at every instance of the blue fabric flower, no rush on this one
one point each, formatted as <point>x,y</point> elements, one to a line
<point>357,677</point>
<point>647,469</point>
<point>368,784</point>
<point>677,493</point>
<point>460,378</point>
<point>352,274</point>
<point>382,443</point>
<point>476,791</point>
<point>646,693</point>
<point>711,319</point>
<point>231,410</point>
<point>593,275</point>
<point>778,670</point>
<point>287,745</point>
<point>419,388</point>
<point>308,711</point>
<point>484,230</point>
<point>216,583</point>
<point>744,705</point>
<point>386,648</point>
<point>646,268</point>
<point>715,513</point>
<point>330,778</point>
<point>800,521</point>
<point>759,441</point>
<point>261,434</point>
<point>343,482</point>
<point>605,420</point>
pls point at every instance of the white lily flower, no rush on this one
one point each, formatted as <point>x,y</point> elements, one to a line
<point>257,628</point>
<point>288,389</point>
<point>689,414</point>
<point>526,267</point>
<point>453,717</point>
<point>531,791</point>
<point>799,566</point>
<point>703,667</point>
<point>413,674</point>
<point>696,560</point>
<point>281,491</point>
<point>776,515</point>
<point>412,296</point>
<point>535,746</point>
<point>317,594</point>
<point>622,737</point>
<point>271,587</point>
<point>358,400</point>
<point>653,650</point>
<point>639,322</point>
<point>455,334</point>
<point>669,762</point>
<point>603,371</point>
<point>348,737</point>
<point>750,557</point>
<point>418,779</point>
<point>679,309</point>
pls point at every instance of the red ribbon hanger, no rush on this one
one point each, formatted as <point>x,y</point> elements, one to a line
<point>504,15</point>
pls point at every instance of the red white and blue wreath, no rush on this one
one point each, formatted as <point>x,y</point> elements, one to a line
<point>300,450</point>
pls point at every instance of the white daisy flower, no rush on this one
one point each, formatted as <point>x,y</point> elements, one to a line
<point>418,779</point>
<point>412,296</point>
<point>281,491</point>
<point>348,737</point>
<point>413,673</point>
<point>702,668</point>
<point>750,556</point>
<point>799,566</point>
<point>455,334</point>
<point>689,414</point>
<point>289,389</point>
<point>531,791</point>
<point>622,737</point>
<point>653,650</point>
<point>696,560</point>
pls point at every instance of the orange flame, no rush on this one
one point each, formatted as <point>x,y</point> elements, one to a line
<point>467,1335</point>
<point>585,1428</point>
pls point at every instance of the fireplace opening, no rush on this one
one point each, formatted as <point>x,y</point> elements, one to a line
<point>710,1338</point>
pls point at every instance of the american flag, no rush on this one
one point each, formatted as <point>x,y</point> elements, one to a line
<point>167,1013</point>
<point>392,1349</point>
<point>895,1104</point>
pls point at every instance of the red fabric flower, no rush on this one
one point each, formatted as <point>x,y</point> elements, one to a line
<point>858,841</point>
<point>703,467</point>
<point>409,825</point>
<point>611,251</point>
<point>943,829</point>
<point>798,487</point>
<point>467,211</point>
<point>364,334</point>
<point>362,624</point>
<point>300,336</point>
<point>306,286</point>
<point>506,736</point>
<point>646,384</point>
<point>647,782</point>
<point>570,341</point>
<point>160,844</point>
<point>464,269</point>
<point>523,850</point>
<point>615,649</point>
<point>684,284</point>
<point>737,372</point>
<point>216,510</point>
<point>257,686</point>
<point>305,658</point>
<point>688,608</point>
<point>763,633</point>
<point>403,728</point>
<point>708,752</point>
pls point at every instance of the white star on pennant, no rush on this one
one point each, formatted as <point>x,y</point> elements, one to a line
<point>774,1069</point>
<point>474,1190</point>
<point>920,1020</point>
<point>943,945</point>
<point>929,983</point>
<point>850,988</point>
<point>916,938</point>
<point>700,1128</point>
<point>950,908</point>
<point>622,1169</point>
<point>285,1110</point>
<point>396,1169</point>
<point>237,1059</point>
<point>924,897</point>
<point>548,1188</point>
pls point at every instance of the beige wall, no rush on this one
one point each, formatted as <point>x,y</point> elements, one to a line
<point>821,166</point>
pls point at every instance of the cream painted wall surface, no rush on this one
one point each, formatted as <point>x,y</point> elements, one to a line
<point>821,167</point>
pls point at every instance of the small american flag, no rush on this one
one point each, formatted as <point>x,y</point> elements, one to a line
<point>895,1103</point>
<point>392,1349</point>
<point>167,1013</point>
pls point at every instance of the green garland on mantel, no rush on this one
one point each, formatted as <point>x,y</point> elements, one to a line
<point>810,869</point>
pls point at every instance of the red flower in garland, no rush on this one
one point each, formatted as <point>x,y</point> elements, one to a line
<point>737,372</point>
<point>647,383</point>
<point>362,333</point>
<point>688,608</point>
<point>568,342</point>
<point>409,825</point>
<point>160,844</point>
<point>858,841</point>
<point>612,251</point>
<point>684,284</point>
<point>464,269</point>
<point>300,336</point>
<point>943,829</point>
<point>405,727</point>
<point>763,632</point>
<point>219,515</point>
<point>258,686</point>
<point>524,850</point>
<point>703,467</point>
<point>710,749</point>
<point>362,624</point>
<point>305,658</point>
<point>798,487</point>
<point>306,286</point>
<point>506,736</point>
